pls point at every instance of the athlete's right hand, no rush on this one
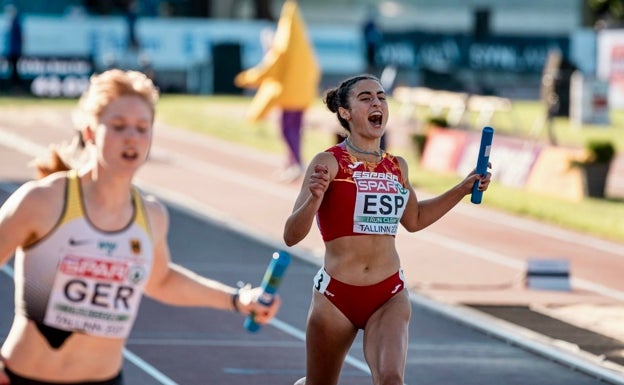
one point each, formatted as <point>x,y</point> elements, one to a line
<point>319,180</point>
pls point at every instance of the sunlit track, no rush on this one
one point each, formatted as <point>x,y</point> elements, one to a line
<point>250,182</point>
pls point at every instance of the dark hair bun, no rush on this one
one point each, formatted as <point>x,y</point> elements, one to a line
<point>331,99</point>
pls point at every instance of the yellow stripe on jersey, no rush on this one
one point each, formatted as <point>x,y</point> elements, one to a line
<point>141,216</point>
<point>73,201</point>
<point>74,207</point>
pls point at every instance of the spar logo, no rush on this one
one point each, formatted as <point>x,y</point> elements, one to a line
<point>100,283</point>
<point>94,268</point>
<point>380,186</point>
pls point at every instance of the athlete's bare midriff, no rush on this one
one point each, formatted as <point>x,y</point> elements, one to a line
<point>80,357</point>
<point>362,259</point>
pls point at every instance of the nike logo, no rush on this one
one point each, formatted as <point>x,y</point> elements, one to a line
<point>78,242</point>
<point>396,288</point>
<point>354,165</point>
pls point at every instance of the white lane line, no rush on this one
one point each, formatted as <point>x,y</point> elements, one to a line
<point>21,144</point>
<point>300,334</point>
<point>232,176</point>
<point>463,248</point>
<point>147,368</point>
<point>198,340</point>
<point>542,229</point>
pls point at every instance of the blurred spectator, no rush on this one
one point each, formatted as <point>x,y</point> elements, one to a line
<point>76,11</point>
<point>263,10</point>
<point>14,44</point>
<point>166,9</point>
<point>132,14</point>
<point>150,8</point>
<point>372,39</point>
<point>132,58</point>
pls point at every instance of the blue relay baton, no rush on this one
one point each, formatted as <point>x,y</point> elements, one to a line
<point>482,162</point>
<point>270,282</point>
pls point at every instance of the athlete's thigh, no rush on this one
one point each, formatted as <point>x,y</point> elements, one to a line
<point>386,336</point>
<point>329,336</point>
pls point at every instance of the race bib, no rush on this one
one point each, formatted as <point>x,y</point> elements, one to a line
<point>97,296</point>
<point>379,203</point>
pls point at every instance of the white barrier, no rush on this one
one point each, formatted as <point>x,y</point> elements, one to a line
<point>177,44</point>
<point>456,107</point>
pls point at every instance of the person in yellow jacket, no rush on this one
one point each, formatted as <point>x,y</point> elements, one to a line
<point>286,78</point>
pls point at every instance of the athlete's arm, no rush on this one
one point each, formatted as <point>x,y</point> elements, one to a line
<point>421,214</point>
<point>171,283</point>
<point>176,285</point>
<point>30,213</point>
<point>320,172</point>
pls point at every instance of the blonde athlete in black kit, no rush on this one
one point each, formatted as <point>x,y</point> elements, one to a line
<point>359,195</point>
<point>88,244</point>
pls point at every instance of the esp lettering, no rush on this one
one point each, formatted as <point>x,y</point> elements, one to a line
<point>383,204</point>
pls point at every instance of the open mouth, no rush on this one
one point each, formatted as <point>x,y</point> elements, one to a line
<point>375,118</point>
<point>130,155</point>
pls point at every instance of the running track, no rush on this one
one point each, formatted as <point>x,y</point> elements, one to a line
<point>195,346</point>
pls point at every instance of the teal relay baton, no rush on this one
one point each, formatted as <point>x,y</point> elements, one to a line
<point>482,162</point>
<point>270,282</point>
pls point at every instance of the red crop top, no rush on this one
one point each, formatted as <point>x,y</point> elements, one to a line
<point>364,197</point>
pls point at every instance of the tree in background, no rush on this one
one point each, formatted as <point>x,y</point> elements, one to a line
<point>606,13</point>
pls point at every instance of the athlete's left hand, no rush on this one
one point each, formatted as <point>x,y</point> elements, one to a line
<point>484,180</point>
<point>248,299</point>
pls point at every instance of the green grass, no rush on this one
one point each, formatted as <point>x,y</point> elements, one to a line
<point>526,117</point>
<point>223,117</point>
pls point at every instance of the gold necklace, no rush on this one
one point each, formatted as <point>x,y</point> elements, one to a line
<point>378,153</point>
